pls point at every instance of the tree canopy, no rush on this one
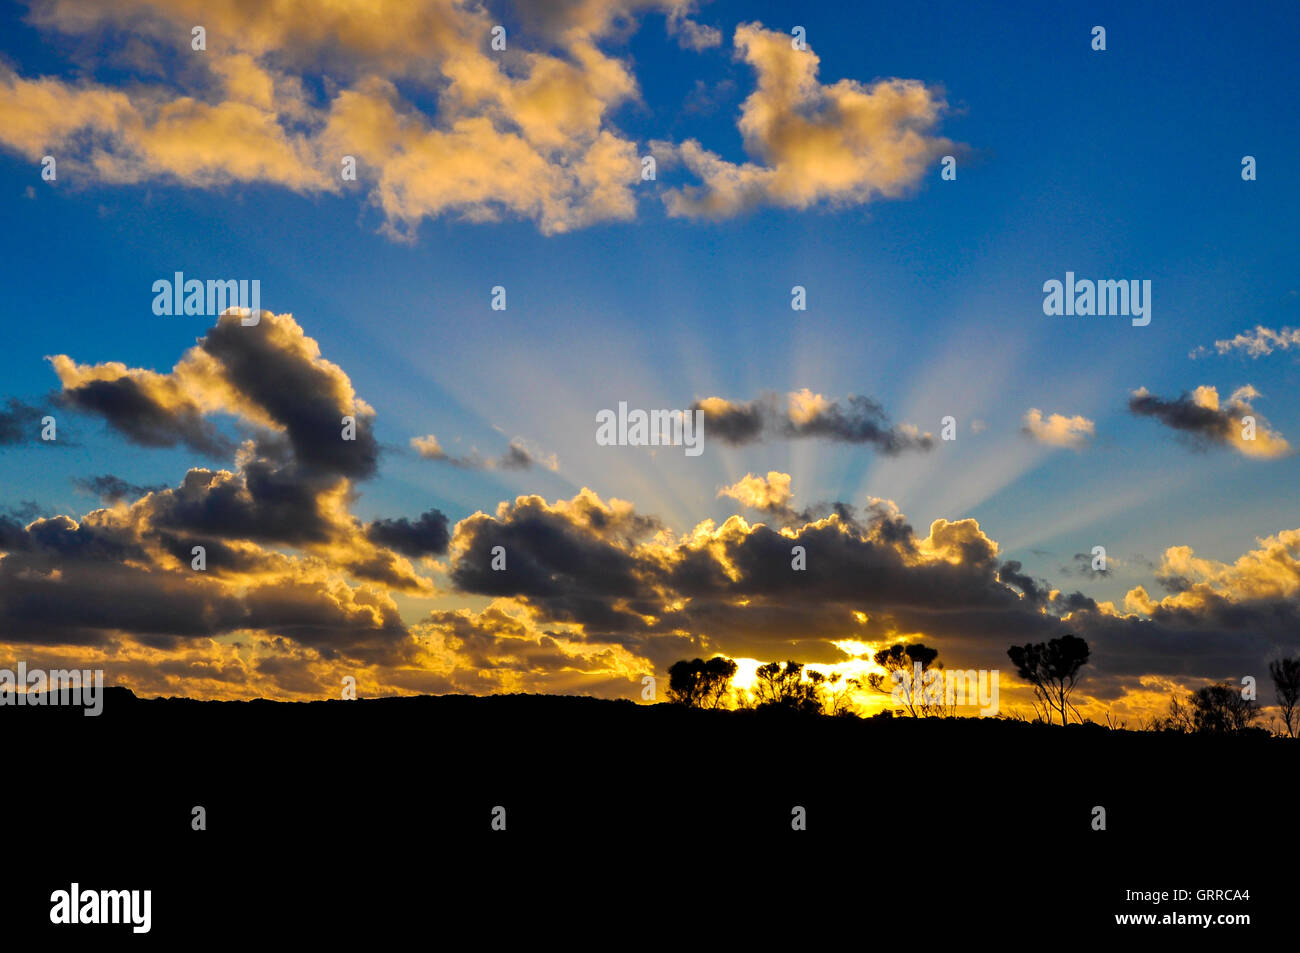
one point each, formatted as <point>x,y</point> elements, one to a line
<point>1052,667</point>
<point>701,683</point>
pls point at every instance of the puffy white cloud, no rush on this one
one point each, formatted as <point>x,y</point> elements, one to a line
<point>844,143</point>
<point>768,494</point>
<point>1257,343</point>
<point>1057,430</point>
<point>475,133</point>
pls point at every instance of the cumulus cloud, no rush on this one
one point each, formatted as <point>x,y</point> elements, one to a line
<point>1201,418</point>
<point>269,375</point>
<point>526,134</point>
<point>147,408</point>
<point>104,134</point>
<point>1057,430</point>
<point>258,501</point>
<point>1219,620</point>
<point>87,582</point>
<point>439,124</point>
<point>803,413</point>
<point>845,143</point>
<point>770,494</point>
<point>429,448</point>
<point>732,422</point>
<point>598,592</point>
<point>624,578</point>
<point>1257,343</point>
<point>608,576</point>
<point>284,557</point>
<point>502,649</point>
<point>594,594</point>
<point>426,536</point>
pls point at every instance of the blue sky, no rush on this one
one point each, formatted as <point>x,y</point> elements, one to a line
<point>1116,164</point>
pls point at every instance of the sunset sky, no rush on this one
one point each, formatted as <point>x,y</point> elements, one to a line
<point>521,168</point>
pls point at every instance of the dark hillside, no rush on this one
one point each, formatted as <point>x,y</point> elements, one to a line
<point>390,798</point>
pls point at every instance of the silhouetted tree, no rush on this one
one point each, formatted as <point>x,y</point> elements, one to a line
<point>785,687</point>
<point>743,700</point>
<point>834,692</point>
<point>1222,709</point>
<point>1286,686</point>
<point>699,683</point>
<point>1178,718</point>
<point>1052,668</point>
<point>899,662</point>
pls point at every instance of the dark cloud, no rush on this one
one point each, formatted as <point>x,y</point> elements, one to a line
<point>47,543</point>
<point>1221,639</point>
<point>1204,421</point>
<point>426,536</point>
<point>858,420</point>
<point>87,583</point>
<point>113,489</point>
<point>597,585</point>
<point>855,419</point>
<point>1081,564</point>
<point>13,536</point>
<point>738,586</point>
<point>1033,593</point>
<point>25,510</point>
<point>275,367</point>
<point>126,572</point>
<point>516,457</point>
<point>303,612</point>
<point>1205,425</point>
<point>262,502</point>
<point>127,407</point>
<point>291,484</point>
<point>733,423</point>
<point>20,423</point>
<point>78,583</point>
<point>222,558</point>
<point>870,579</point>
<point>270,376</point>
<point>578,553</point>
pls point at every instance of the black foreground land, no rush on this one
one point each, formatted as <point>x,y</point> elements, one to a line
<point>357,818</point>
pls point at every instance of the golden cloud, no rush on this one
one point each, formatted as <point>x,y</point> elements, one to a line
<point>524,132</point>
<point>1057,430</point>
<point>842,143</point>
<point>770,494</point>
